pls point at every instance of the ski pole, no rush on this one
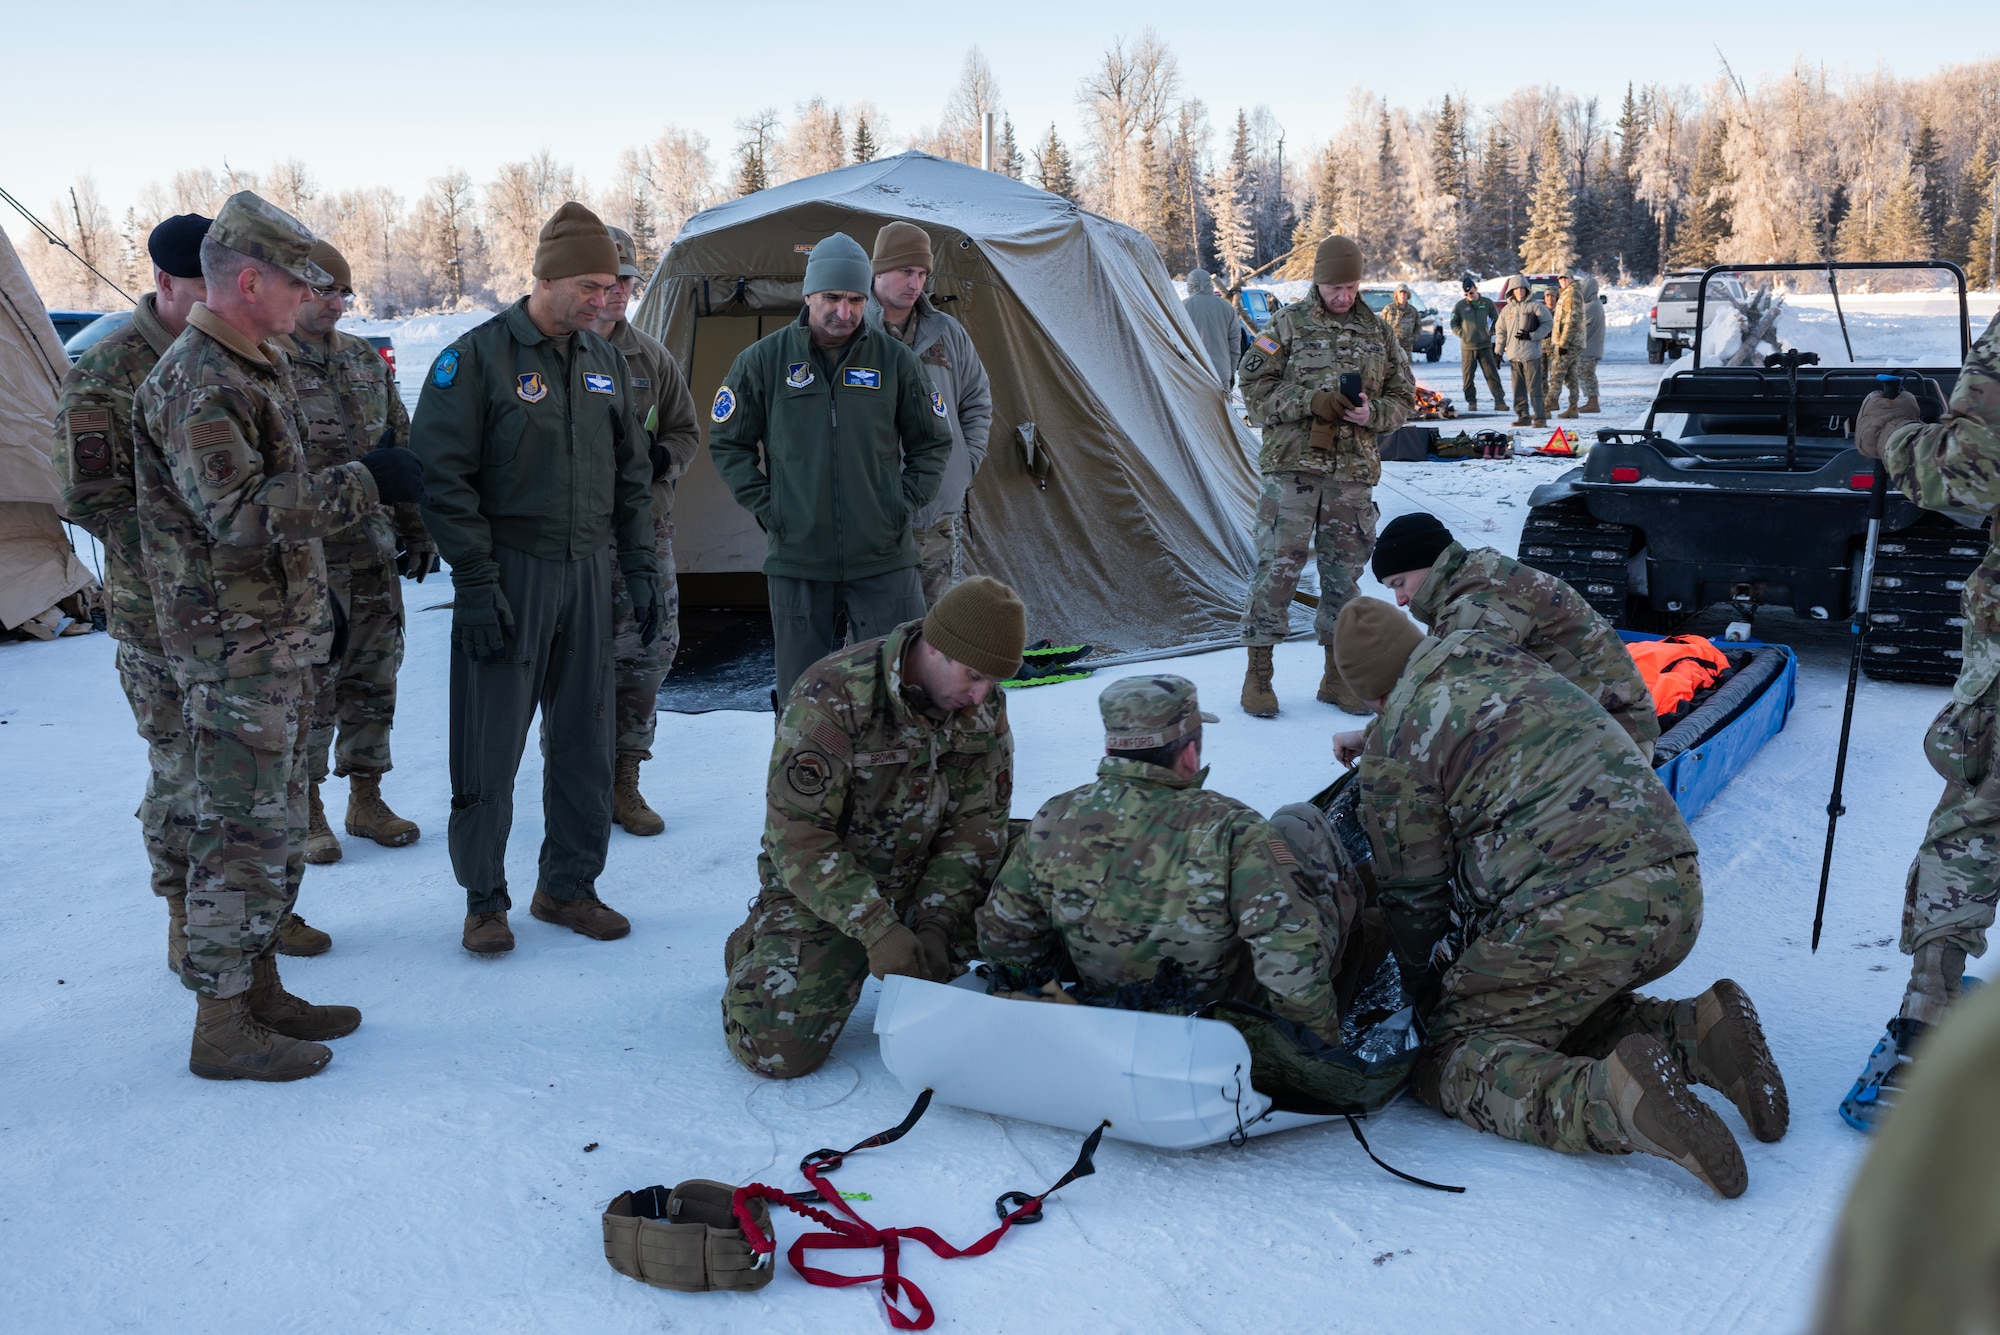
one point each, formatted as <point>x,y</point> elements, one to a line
<point>1878,494</point>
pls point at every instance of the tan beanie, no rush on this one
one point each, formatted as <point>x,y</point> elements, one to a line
<point>981,624</point>
<point>1372,642</point>
<point>1338,260</point>
<point>901,245</point>
<point>574,241</point>
<point>331,260</point>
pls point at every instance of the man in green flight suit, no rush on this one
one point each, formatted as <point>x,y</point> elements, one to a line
<point>855,444</point>
<point>535,462</point>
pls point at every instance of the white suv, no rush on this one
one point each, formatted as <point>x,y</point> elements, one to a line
<point>1672,329</point>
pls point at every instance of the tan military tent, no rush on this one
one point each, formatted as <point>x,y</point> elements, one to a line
<point>1118,491</point>
<point>37,567</point>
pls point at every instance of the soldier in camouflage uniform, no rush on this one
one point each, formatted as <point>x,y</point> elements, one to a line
<point>885,823</point>
<point>1448,587</point>
<point>1533,872</point>
<point>1145,866</point>
<point>1566,347</point>
<point>665,409</point>
<point>1319,459</point>
<point>1402,318</point>
<point>93,452</point>
<point>230,524</point>
<point>1954,882</point>
<point>350,403</point>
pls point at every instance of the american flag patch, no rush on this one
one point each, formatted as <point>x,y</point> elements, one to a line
<point>90,419</point>
<point>832,738</point>
<point>211,431</point>
<point>1266,345</point>
<point>1281,853</point>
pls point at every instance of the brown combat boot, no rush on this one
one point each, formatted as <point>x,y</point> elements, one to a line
<point>590,915</point>
<point>1522,420</point>
<point>369,817</point>
<point>282,1013</point>
<point>230,1044</point>
<point>1661,1115</point>
<point>1732,1056</point>
<point>1540,421</point>
<point>628,804</point>
<point>1259,700</point>
<point>487,933</point>
<point>1334,690</point>
<point>177,931</point>
<point>321,846</point>
<point>1590,405</point>
<point>1569,411</point>
<point>296,936</point>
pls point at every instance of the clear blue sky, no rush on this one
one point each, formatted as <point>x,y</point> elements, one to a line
<point>391,93</point>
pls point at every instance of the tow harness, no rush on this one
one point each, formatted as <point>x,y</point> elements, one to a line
<point>853,1233</point>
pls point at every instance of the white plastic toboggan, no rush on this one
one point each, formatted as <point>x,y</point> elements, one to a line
<point>1169,1081</point>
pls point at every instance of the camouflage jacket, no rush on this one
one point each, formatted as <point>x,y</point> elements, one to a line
<point>230,517</point>
<point>1569,327</point>
<point>1403,322</point>
<point>660,395</point>
<point>1143,866</point>
<point>93,454</point>
<point>1492,788</point>
<point>1484,590</point>
<point>880,808</point>
<point>1305,349</point>
<point>348,397</point>
<point>1954,464</point>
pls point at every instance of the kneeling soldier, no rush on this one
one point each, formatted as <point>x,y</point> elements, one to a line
<point>1494,793</point>
<point>886,821</point>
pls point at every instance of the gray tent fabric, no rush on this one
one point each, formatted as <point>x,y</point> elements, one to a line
<point>1131,530</point>
<point>37,567</point>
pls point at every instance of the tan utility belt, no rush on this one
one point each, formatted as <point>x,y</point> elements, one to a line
<point>687,1239</point>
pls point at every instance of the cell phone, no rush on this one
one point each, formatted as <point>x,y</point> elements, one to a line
<point>1350,386</point>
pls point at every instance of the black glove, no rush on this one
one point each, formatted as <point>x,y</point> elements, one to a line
<point>481,620</point>
<point>398,473</point>
<point>642,585</point>
<point>339,649</point>
<point>662,461</point>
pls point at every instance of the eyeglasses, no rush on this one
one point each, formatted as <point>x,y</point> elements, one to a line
<point>346,297</point>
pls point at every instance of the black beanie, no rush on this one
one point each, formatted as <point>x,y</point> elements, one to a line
<point>175,245</point>
<point>1409,542</point>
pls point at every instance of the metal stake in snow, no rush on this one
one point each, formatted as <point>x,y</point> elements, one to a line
<point>1878,493</point>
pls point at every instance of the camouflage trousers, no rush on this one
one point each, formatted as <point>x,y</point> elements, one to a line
<point>642,667</point>
<point>941,556</point>
<point>1586,374</point>
<point>1301,514</point>
<point>357,695</point>
<point>1954,881</point>
<point>793,981</point>
<point>247,851</point>
<point>1565,372</point>
<point>1530,1011</point>
<point>1481,359</point>
<point>1530,385</point>
<point>166,813</point>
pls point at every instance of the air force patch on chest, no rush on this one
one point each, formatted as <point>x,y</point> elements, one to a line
<point>725,405</point>
<point>599,384</point>
<point>861,377</point>
<point>531,387</point>
<point>446,369</point>
<point>798,375</point>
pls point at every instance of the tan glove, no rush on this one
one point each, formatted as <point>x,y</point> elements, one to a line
<point>899,951</point>
<point>1879,417</point>
<point>1325,436</point>
<point>936,943</point>
<point>1329,405</point>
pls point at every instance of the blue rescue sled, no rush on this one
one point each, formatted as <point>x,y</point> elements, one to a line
<point>1698,756</point>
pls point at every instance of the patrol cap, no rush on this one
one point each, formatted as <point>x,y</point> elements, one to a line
<point>335,263</point>
<point>175,245</point>
<point>1141,713</point>
<point>251,225</point>
<point>628,252</point>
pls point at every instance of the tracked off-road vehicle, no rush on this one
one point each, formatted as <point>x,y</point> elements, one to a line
<point>1744,485</point>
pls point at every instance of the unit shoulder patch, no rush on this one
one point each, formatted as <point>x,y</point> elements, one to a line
<point>218,468</point>
<point>725,405</point>
<point>445,370</point>
<point>937,403</point>
<point>808,773</point>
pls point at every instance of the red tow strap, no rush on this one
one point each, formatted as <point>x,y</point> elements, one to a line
<point>853,1233</point>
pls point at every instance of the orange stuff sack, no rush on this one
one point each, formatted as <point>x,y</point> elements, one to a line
<point>1676,668</point>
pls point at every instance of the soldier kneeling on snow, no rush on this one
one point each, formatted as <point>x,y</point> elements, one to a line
<point>1160,894</point>
<point>1533,872</point>
<point>886,821</point>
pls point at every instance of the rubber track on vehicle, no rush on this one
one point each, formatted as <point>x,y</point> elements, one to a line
<point>1587,553</point>
<point>1916,612</point>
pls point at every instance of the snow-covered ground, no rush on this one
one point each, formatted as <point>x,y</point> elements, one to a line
<point>436,1176</point>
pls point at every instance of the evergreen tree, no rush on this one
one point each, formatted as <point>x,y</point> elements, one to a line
<point>1327,216</point>
<point>864,140</point>
<point>1496,230</point>
<point>1382,205</point>
<point>1550,245</point>
<point>1053,168</point>
<point>1638,242</point>
<point>1007,153</point>
<point>1969,234</point>
<point>1704,224</point>
<point>1934,190</point>
<point>1448,176</point>
<point>1234,242</point>
<point>1900,231</point>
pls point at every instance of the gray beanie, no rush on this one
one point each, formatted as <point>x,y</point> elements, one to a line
<point>839,264</point>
